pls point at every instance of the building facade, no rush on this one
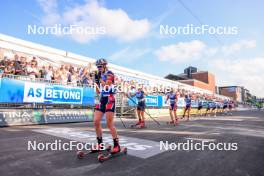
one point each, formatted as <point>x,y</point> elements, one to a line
<point>238,93</point>
<point>200,79</point>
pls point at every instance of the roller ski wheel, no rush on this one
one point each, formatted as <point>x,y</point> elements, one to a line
<point>172,123</point>
<point>135,125</point>
<point>101,157</point>
<point>140,126</point>
<point>82,154</point>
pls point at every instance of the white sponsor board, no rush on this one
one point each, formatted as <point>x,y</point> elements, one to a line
<point>34,92</point>
<point>136,147</point>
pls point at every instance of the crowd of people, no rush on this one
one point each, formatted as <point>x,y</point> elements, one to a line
<point>21,66</point>
<point>35,69</point>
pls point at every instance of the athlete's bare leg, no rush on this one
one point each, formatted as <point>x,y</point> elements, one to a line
<point>171,115</point>
<point>110,124</point>
<point>175,115</point>
<point>97,123</point>
<point>142,113</point>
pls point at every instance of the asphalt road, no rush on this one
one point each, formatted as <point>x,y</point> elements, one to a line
<point>244,129</point>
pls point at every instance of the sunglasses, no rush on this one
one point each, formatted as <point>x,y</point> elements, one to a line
<point>99,66</point>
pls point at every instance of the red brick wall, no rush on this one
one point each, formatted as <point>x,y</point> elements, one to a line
<point>199,84</point>
<point>205,81</point>
<point>201,76</point>
<point>235,95</point>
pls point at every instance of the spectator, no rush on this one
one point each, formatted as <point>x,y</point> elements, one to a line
<point>4,63</point>
<point>23,65</point>
<point>10,68</point>
<point>34,61</point>
<point>71,70</point>
<point>32,70</point>
<point>57,76</point>
<point>49,74</point>
<point>86,78</point>
<point>74,79</point>
<point>42,72</point>
<point>64,76</point>
<point>17,66</point>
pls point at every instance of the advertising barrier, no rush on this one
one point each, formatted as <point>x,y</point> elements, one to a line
<point>28,117</point>
<point>151,100</point>
<point>16,91</point>
<point>160,101</point>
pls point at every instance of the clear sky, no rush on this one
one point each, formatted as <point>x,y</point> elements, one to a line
<point>132,35</point>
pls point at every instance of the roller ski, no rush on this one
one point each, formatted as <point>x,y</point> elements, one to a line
<point>82,154</point>
<point>140,124</point>
<point>115,152</point>
<point>174,123</point>
<point>171,123</point>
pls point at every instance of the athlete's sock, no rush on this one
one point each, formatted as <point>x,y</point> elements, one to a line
<point>116,142</point>
<point>99,140</point>
<point>116,147</point>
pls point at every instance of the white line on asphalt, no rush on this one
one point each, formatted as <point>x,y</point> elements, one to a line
<point>201,139</point>
<point>137,147</point>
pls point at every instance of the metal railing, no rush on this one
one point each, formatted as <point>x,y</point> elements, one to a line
<point>43,80</point>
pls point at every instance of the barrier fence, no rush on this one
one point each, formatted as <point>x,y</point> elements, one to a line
<point>43,116</point>
<point>25,102</point>
<point>18,91</point>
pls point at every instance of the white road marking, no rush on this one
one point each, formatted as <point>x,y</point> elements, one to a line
<point>200,139</point>
<point>136,147</point>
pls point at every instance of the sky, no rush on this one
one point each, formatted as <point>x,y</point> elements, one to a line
<point>133,34</point>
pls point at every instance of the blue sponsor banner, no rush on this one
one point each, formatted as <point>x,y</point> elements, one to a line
<point>11,91</point>
<point>16,91</point>
<point>58,94</point>
<point>194,104</point>
<point>159,101</point>
<point>180,102</point>
<point>151,100</point>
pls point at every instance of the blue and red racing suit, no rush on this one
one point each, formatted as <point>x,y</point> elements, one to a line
<point>200,104</point>
<point>173,100</point>
<point>107,99</point>
<point>225,104</point>
<point>188,102</point>
<point>140,95</point>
